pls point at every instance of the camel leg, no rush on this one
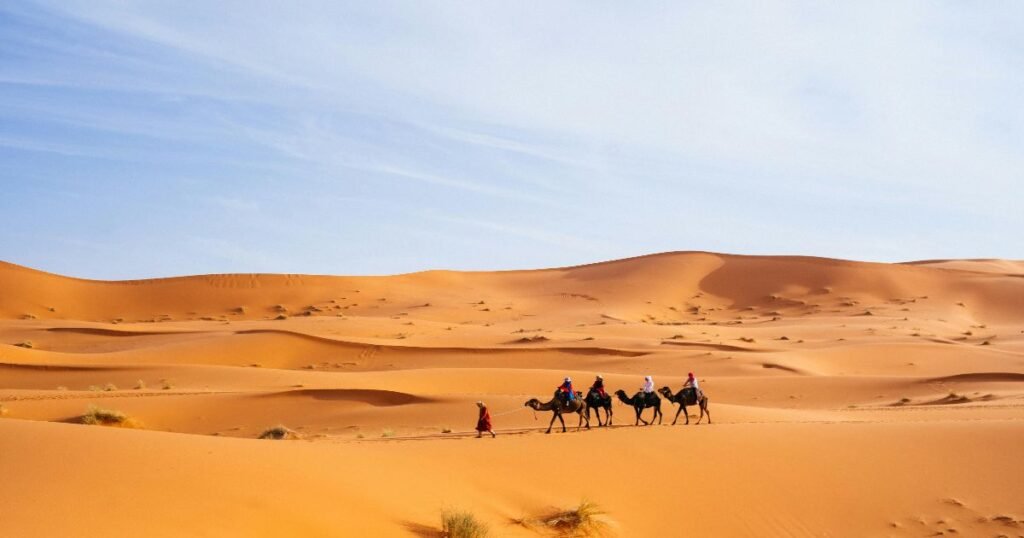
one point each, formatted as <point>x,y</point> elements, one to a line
<point>680,410</point>
<point>608,412</point>
<point>562,420</point>
<point>553,415</point>
<point>639,411</point>
<point>657,411</point>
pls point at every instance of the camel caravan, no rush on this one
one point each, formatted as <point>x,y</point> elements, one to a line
<point>567,401</point>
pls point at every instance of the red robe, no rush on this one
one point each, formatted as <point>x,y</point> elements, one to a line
<point>483,424</point>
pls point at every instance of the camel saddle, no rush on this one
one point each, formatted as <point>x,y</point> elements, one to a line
<point>689,396</point>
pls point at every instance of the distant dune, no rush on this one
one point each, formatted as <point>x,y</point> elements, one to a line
<point>848,399</point>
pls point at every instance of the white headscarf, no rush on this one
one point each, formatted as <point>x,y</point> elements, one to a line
<point>648,384</point>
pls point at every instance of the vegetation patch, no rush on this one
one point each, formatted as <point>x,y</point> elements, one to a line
<point>586,519</point>
<point>280,433</point>
<point>460,524</point>
<point>97,416</point>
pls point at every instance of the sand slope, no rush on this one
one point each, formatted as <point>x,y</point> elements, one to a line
<point>848,399</point>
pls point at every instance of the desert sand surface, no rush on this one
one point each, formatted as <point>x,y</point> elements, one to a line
<point>847,399</point>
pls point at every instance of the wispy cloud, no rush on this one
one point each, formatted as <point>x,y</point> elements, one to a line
<point>590,130</point>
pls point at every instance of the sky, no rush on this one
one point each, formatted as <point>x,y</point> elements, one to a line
<point>143,139</point>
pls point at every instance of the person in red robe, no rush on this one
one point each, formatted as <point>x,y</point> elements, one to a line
<point>483,423</point>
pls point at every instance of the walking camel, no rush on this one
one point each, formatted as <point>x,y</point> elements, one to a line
<point>558,408</point>
<point>638,402</point>
<point>680,399</point>
<point>597,403</point>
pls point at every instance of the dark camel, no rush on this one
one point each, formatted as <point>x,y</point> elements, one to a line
<point>678,399</point>
<point>559,407</point>
<point>597,403</point>
<point>638,402</point>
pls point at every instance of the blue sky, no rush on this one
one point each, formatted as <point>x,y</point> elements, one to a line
<point>150,139</point>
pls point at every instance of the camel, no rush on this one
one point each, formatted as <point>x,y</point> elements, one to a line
<point>681,401</point>
<point>557,408</point>
<point>638,402</point>
<point>597,403</point>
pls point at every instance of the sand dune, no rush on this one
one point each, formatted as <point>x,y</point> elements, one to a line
<point>848,399</point>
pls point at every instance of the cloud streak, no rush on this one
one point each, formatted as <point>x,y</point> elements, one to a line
<point>845,128</point>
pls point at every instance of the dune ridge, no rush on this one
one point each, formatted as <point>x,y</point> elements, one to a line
<point>850,386</point>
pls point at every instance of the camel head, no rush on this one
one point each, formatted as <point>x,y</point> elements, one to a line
<point>622,396</point>
<point>532,402</point>
<point>665,391</point>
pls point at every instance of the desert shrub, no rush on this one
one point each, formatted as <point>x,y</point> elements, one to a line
<point>27,344</point>
<point>388,432</point>
<point>108,417</point>
<point>583,520</point>
<point>140,384</point>
<point>459,524</point>
<point>279,432</point>
<point>109,387</point>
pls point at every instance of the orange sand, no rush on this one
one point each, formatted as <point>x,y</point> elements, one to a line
<point>848,399</point>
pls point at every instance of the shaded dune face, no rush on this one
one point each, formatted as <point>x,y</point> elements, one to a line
<point>891,369</point>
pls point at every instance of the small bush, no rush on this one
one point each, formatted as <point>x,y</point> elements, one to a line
<point>108,417</point>
<point>458,524</point>
<point>387,433</point>
<point>110,387</point>
<point>166,384</point>
<point>446,430</point>
<point>27,344</point>
<point>140,384</point>
<point>279,432</point>
<point>584,520</point>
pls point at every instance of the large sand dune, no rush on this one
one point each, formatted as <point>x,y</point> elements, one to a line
<point>848,399</point>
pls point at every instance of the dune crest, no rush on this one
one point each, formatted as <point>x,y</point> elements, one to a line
<point>823,376</point>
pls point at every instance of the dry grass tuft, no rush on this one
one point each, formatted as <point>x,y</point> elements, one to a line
<point>387,433</point>
<point>459,524</point>
<point>109,387</point>
<point>583,520</point>
<point>140,384</point>
<point>108,417</point>
<point>280,433</point>
<point>27,344</point>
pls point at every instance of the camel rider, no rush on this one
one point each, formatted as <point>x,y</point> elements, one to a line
<point>599,387</point>
<point>691,381</point>
<point>566,391</point>
<point>648,388</point>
